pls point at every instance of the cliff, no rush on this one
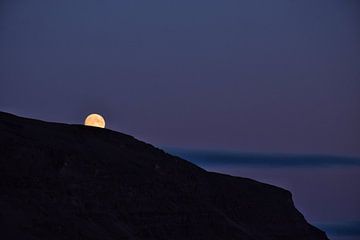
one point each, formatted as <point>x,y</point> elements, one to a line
<point>60,181</point>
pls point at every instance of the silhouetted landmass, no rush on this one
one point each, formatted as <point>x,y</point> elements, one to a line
<point>233,159</point>
<point>60,181</point>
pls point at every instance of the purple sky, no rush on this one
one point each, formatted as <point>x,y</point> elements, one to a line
<point>253,76</point>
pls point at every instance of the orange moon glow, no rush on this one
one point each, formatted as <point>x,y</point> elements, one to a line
<point>95,120</point>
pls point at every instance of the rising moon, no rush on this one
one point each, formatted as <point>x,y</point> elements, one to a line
<point>95,120</point>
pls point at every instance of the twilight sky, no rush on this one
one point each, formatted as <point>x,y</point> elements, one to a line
<point>252,76</point>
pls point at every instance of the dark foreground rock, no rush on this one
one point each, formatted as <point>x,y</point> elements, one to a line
<point>60,181</point>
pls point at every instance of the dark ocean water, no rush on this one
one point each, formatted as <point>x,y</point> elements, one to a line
<point>326,189</point>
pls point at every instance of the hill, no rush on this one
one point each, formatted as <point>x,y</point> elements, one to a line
<point>60,181</point>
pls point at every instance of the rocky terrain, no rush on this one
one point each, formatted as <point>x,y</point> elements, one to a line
<point>60,181</point>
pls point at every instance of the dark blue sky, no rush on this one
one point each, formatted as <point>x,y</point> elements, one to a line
<point>252,76</point>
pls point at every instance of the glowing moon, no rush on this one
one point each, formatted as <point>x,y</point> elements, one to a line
<point>95,120</point>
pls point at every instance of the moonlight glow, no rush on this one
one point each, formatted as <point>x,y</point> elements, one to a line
<point>95,120</point>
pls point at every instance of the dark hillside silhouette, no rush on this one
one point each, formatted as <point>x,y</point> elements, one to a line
<point>60,181</point>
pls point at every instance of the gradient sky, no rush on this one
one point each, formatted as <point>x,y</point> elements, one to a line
<point>253,76</point>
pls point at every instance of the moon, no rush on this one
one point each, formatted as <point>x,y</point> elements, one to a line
<point>95,120</point>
